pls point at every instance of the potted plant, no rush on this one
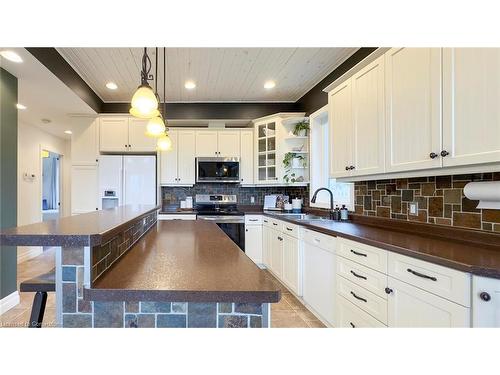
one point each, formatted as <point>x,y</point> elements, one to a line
<point>301,128</point>
<point>290,161</point>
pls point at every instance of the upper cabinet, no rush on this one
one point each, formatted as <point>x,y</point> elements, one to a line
<point>413,108</point>
<point>246,157</point>
<point>125,134</point>
<point>177,166</point>
<point>471,99</point>
<point>206,143</point>
<point>222,143</point>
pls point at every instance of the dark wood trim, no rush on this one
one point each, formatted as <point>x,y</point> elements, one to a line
<point>62,70</point>
<point>315,98</point>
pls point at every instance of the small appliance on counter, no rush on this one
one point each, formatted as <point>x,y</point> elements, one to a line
<point>297,205</point>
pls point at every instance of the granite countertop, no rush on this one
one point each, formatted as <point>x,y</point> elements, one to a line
<point>87,229</point>
<point>184,261</point>
<point>464,250</point>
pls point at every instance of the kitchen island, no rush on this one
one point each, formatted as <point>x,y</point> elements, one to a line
<point>122,268</point>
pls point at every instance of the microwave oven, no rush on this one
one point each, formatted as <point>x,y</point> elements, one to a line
<point>218,170</point>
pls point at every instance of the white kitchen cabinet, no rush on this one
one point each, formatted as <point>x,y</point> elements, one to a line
<point>471,110</point>
<point>276,249</point>
<point>246,157</point>
<point>340,118</point>
<point>292,267</point>
<point>266,243</point>
<point>228,143</point>
<point>177,166</point>
<point>413,108</point>
<point>113,134</point>
<point>84,189</point>
<point>368,119</point>
<point>253,242</point>
<point>319,280</point>
<point>84,140</point>
<point>412,307</point>
<point>137,139</point>
<point>347,315</point>
<point>167,217</point>
<point>485,302</point>
<point>206,143</point>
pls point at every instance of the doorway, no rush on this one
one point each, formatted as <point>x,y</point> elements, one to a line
<point>51,185</point>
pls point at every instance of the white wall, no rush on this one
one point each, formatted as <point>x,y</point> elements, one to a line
<point>31,141</point>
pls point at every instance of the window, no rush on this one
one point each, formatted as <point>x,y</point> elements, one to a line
<point>343,192</point>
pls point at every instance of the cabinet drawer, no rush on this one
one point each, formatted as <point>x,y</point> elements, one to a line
<point>365,300</point>
<point>290,229</point>
<point>320,240</point>
<point>273,223</point>
<point>266,221</point>
<point>365,277</point>
<point>351,316</point>
<point>366,255</point>
<point>253,219</point>
<point>445,282</point>
<point>176,217</point>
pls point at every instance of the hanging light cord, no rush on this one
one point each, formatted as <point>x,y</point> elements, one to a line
<point>146,68</point>
<point>165,86</point>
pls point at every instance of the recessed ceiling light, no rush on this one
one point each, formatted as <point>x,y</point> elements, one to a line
<point>111,85</point>
<point>68,132</point>
<point>190,85</point>
<point>269,85</point>
<point>11,56</point>
<point>20,106</point>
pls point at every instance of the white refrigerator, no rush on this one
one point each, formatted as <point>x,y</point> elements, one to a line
<point>126,180</point>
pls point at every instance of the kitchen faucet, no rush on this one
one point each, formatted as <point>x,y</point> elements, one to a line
<point>313,199</point>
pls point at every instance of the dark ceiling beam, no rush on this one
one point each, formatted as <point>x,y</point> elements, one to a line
<point>62,70</point>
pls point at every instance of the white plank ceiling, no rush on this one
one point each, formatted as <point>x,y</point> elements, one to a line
<point>221,74</point>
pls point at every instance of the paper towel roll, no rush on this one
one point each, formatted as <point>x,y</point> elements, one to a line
<point>486,192</point>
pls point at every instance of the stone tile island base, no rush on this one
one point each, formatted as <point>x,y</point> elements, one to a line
<point>73,273</point>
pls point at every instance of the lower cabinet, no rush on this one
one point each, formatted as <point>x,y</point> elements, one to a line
<point>266,245</point>
<point>253,242</point>
<point>276,247</point>
<point>409,306</point>
<point>485,302</point>
<point>291,264</point>
<point>347,315</point>
<point>84,189</point>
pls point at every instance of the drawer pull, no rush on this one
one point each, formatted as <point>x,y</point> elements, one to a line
<point>265,221</point>
<point>388,290</point>
<point>254,220</point>
<point>357,297</point>
<point>352,325</point>
<point>280,238</point>
<point>290,229</point>
<point>485,296</point>
<point>421,275</point>
<point>356,253</point>
<point>275,224</point>
<point>358,276</point>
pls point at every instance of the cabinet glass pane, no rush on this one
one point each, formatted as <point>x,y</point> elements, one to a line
<point>262,174</point>
<point>271,173</point>
<point>262,145</point>
<point>271,159</point>
<point>262,131</point>
<point>271,129</point>
<point>271,144</point>
<point>262,160</point>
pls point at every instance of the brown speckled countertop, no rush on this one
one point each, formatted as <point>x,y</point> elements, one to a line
<point>87,229</point>
<point>185,261</point>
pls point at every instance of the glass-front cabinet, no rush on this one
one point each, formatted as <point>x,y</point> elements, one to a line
<point>266,152</point>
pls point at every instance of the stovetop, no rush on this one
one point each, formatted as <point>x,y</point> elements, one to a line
<point>217,204</point>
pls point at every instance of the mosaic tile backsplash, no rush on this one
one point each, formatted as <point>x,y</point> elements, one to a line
<point>172,195</point>
<point>440,201</point>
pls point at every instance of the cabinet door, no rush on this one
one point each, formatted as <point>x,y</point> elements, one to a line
<point>412,307</point>
<point>246,157</point>
<point>206,143</point>
<point>84,189</point>
<point>253,242</point>
<point>368,119</point>
<point>84,140</point>
<point>340,114</point>
<point>348,315</point>
<point>113,134</point>
<point>228,142</point>
<point>413,108</point>
<point>266,253</point>
<point>471,97</point>
<point>291,264</point>
<point>186,157</point>
<point>485,302</point>
<point>276,253</point>
<point>137,138</point>
<point>169,160</point>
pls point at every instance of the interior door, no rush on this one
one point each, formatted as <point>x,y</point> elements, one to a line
<point>137,138</point>
<point>246,157</point>
<point>169,160</point>
<point>471,98</point>
<point>113,134</point>
<point>228,143</point>
<point>186,156</point>
<point>341,133</point>
<point>139,179</point>
<point>413,108</point>
<point>206,143</point>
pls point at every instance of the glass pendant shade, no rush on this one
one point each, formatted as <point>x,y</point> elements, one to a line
<point>144,103</point>
<point>155,127</point>
<point>164,143</point>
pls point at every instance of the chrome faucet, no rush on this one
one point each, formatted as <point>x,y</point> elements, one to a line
<point>313,199</point>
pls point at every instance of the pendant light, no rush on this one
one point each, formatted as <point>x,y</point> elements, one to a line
<point>144,102</point>
<point>156,126</point>
<point>164,143</point>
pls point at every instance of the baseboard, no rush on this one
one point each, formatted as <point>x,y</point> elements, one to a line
<point>30,254</point>
<point>9,302</point>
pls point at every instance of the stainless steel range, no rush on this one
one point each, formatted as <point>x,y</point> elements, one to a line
<point>223,210</point>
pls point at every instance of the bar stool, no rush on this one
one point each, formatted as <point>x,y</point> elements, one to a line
<point>40,285</point>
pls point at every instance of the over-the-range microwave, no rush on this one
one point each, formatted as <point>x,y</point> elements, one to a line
<point>218,170</point>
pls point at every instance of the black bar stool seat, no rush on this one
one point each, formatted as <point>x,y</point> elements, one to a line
<point>40,284</point>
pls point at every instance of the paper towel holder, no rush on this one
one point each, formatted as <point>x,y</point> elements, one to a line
<point>486,192</point>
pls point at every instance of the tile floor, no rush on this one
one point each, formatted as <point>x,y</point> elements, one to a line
<point>288,313</point>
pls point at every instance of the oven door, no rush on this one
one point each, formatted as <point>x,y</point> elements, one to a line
<point>233,226</point>
<point>217,170</point>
